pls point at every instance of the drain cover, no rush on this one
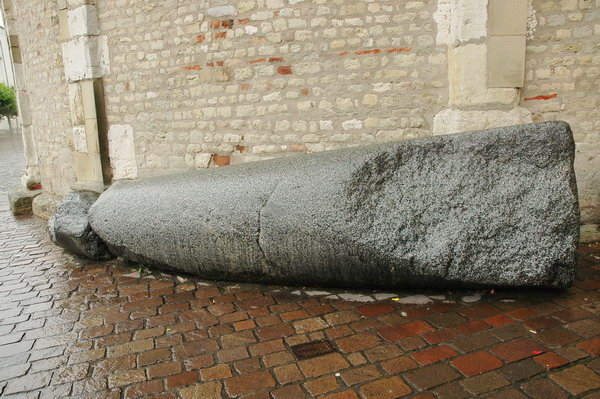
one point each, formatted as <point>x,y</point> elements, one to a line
<point>312,349</point>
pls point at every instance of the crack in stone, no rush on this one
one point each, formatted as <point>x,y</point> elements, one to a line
<point>259,230</point>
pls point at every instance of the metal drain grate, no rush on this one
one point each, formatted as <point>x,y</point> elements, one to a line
<point>312,349</point>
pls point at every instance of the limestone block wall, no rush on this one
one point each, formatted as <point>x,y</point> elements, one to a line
<point>36,29</point>
<point>562,82</point>
<point>204,83</point>
<point>210,82</point>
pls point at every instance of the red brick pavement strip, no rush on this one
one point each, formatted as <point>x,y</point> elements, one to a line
<point>70,328</point>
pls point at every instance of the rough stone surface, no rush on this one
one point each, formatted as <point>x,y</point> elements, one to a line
<point>70,228</point>
<point>20,201</point>
<point>495,207</point>
<point>44,205</point>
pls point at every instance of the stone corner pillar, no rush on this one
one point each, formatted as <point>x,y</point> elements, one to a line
<point>486,60</point>
<point>86,61</point>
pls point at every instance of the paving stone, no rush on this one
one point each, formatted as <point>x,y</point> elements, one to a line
<point>428,377</point>
<point>543,388</point>
<point>394,333</point>
<point>358,342</point>
<point>289,392</point>
<point>577,379</point>
<point>322,385</point>
<point>452,390</point>
<point>27,383</point>
<point>360,375</point>
<point>475,342</point>
<point>551,360</point>
<point>484,383</point>
<point>556,337</point>
<point>376,309</point>
<point>509,393</point>
<point>323,365</point>
<point>434,355</point>
<point>521,370</point>
<point>591,346</point>
<point>477,363</point>
<point>206,390</point>
<point>519,349</point>
<point>584,328</point>
<point>342,395</point>
<point>126,378</point>
<point>249,383</point>
<point>389,388</point>
<point>11,372</point>
<point>143,388</point>
<point>288,373</point>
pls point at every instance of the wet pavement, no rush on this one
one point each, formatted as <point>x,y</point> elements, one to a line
<point>71,328</point>
<point>12,160</point>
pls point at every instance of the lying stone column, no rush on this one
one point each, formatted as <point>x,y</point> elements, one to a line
<point>489,208</point>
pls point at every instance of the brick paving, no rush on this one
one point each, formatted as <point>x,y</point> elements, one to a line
<point>71,328</point>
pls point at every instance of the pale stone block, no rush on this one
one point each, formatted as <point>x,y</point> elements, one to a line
<point>370,100</point>
<point>587,165</point>
<point>79,139</point>
<point>250,30</point>
<point>460,20</point>
<point>86,58</point>
<point>88,100</point>
<point>215,75</point>
<point>76,104</point>
<point>508,17</point>
<point>352,124</point>
<point>121,150</point>
<point>455,121</point>
<point>326,125</point>
<point>221,11</point>
<point>77,3</point>
<point>91,134</point>
<point>275,3</point>
<point>83,20</point>
<point>467,79</point>
<point>506,64</point>
<point>202,160</point>
<point>63,25</point>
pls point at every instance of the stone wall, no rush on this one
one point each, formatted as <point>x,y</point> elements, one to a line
<point>197,81</point>
<point>196,84</point>
<point>562,82</point>
<point>42,76</point>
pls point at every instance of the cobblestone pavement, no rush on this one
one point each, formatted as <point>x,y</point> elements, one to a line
<point>70,328</point>
<point>12,161</point>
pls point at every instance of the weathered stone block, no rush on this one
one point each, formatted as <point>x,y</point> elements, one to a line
<point>489,208</point>
<point>69,228</point>
<point>20,201</point>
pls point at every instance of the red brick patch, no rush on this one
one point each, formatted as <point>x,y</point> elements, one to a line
<point>284,70</point>
<point>542,97</point>
<point>221,160</point>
